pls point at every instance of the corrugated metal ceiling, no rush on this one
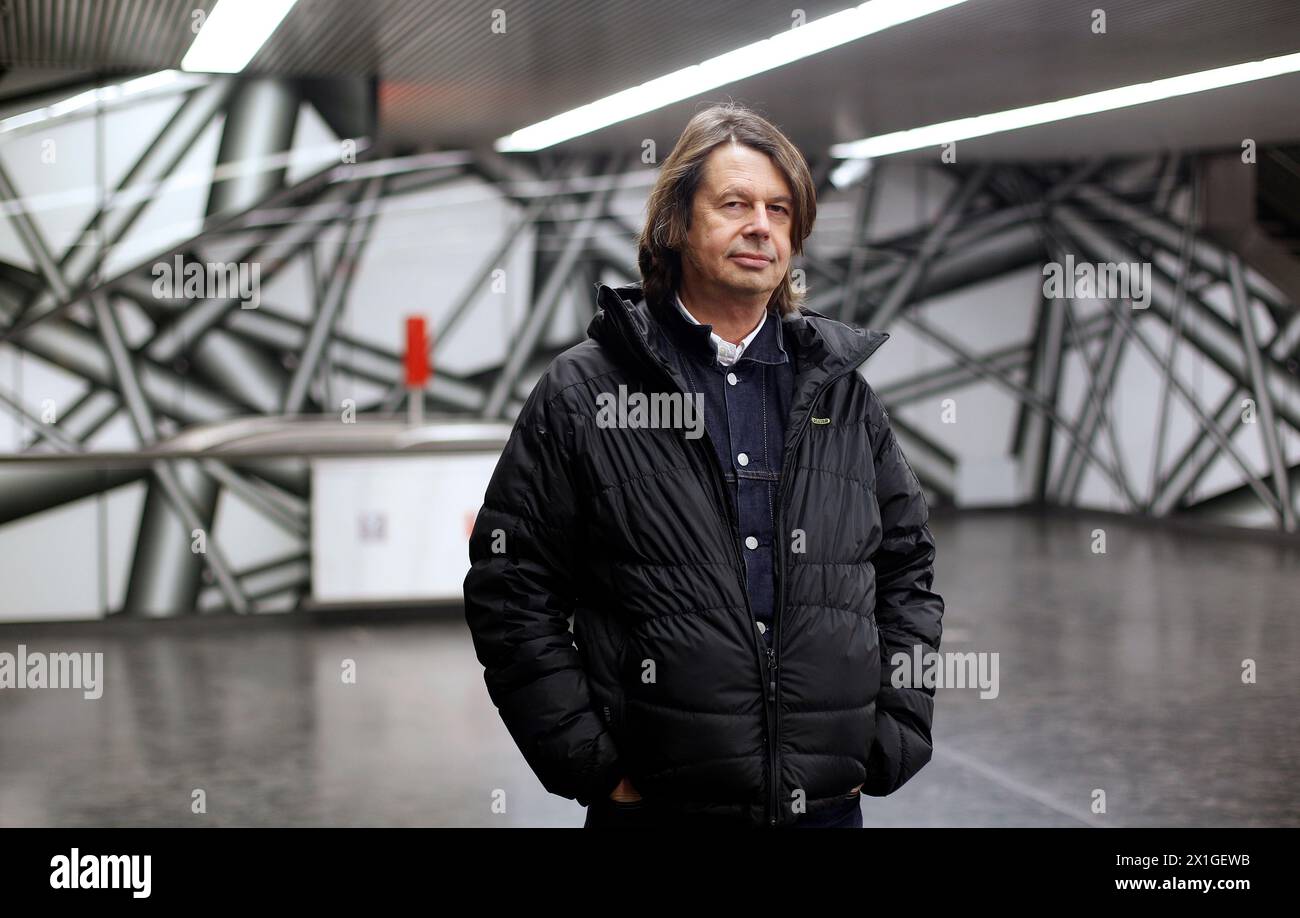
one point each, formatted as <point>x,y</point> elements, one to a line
<point>448,79</point>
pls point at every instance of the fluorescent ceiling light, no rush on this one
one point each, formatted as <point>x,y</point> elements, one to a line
<point>233,32</point>
<point>850,172</point>
<point>1045,112</point>
<point>768,54</point>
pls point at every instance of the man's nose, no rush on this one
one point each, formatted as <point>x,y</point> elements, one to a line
<point>760,225</point>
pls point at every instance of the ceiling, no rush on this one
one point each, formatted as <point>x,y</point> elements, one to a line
<point>448,80</point>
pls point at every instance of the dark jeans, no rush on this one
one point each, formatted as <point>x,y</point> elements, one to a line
<point>609,814</point>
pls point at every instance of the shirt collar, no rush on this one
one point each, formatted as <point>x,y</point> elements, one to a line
<point>765,349</point>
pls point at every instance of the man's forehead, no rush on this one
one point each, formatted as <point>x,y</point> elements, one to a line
<point>743,169</point>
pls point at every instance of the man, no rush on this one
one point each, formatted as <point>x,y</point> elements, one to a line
<point>737,588</point>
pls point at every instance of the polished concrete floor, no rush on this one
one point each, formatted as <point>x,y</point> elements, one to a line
<point>1118,672</point>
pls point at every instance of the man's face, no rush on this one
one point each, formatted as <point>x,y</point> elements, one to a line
<point>742,207</point>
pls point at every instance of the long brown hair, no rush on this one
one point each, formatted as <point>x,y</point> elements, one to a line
<point>669,206</point>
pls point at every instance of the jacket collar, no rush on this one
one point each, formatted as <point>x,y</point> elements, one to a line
<point>821,346</point>
<point>696,339</point>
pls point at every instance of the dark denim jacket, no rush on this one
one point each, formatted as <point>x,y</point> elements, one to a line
<point>745,410</point>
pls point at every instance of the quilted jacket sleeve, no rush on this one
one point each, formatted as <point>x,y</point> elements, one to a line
<point>518,599</point>
<point>908,612</point>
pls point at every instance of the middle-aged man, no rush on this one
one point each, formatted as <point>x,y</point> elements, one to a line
<point>739,582</point>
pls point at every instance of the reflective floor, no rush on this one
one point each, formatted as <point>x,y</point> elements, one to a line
<point>1120,702</point>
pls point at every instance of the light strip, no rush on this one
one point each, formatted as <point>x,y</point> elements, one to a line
<point>1045,112</point>
<point>760,56</point>
<point>233,32</point>
<point>91,99</point>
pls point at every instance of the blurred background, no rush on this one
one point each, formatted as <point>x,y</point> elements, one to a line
<point>276,276</point>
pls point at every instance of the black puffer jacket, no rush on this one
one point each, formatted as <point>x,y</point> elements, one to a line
<point>629,531</point>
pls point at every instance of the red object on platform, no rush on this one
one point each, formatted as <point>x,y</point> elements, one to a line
<point>417,353</point>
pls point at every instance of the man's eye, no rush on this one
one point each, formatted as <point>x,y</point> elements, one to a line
<point>778,207</point>
<point>729,203</point>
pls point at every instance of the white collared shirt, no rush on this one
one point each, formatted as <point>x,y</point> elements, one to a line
<point>727,352</point>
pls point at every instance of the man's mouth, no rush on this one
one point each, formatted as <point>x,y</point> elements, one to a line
<point>752,261</point>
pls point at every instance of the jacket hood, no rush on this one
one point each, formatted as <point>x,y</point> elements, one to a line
<point>633,328</point>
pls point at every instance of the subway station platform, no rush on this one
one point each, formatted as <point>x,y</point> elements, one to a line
<point>1119,673</point>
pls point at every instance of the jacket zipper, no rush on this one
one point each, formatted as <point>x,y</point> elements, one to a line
<point>771,715</point>
<point>733,536</point>
<point>781,537</point>
<point>732,526</point>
